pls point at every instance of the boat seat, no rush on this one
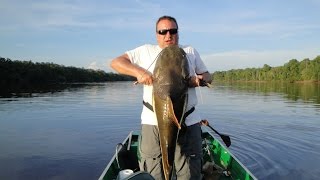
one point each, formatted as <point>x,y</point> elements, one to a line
<point>126,159</point>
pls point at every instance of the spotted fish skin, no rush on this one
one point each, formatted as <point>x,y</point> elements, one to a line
<point>170,98</point>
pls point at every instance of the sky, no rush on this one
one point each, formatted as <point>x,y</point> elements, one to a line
<point>228,34</point>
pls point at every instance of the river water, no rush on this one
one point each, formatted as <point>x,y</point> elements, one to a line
<point>71,133</point>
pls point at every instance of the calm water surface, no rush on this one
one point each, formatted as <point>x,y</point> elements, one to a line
<point>72,133</point>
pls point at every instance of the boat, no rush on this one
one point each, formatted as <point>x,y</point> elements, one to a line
<point>218,161</point>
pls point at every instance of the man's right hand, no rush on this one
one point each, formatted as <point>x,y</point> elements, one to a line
<point>145,78</point>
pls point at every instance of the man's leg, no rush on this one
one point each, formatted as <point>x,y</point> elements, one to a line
<point>188,156</point>
<point>149,149</point>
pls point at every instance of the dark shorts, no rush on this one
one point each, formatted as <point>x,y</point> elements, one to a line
<point>188,153</point>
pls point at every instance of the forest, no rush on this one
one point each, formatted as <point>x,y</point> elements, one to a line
<point>293,71</point>
<point>16,74</point>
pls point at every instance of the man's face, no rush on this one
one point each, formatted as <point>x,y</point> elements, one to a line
<point>168,33</point>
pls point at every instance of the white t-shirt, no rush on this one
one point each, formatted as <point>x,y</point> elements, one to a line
<point>145,56</point>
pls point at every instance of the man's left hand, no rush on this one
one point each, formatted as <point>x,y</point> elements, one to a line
<point>200,80</point>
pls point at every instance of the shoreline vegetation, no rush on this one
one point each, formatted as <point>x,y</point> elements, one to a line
<point>305,71</point>
<point>18,76</point>
<point>26,76</point>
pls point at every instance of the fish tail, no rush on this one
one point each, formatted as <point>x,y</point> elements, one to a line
<point>167,169</point>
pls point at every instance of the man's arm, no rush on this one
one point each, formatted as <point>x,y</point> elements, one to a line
<point>123,65</point>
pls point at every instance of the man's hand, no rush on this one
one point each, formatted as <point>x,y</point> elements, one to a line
<point>204,122</point>
<point>194,81</point>
<point>200,80</point>
<point>145,78</point>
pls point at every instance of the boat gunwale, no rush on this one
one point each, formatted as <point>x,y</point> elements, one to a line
<point>114,156</point>
<point>205,129</point>
<point>229,152</point>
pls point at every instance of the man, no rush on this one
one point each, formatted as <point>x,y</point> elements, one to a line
<point>140,63</point>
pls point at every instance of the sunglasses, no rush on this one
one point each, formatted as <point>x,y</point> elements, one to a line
<point>165,31</point>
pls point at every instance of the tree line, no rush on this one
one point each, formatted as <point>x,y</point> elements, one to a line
<point>20,74</point>
<point>305,70</point>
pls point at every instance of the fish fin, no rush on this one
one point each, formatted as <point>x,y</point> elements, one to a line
<point>171,114</point>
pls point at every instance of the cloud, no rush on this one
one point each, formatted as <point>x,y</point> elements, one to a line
<point>93,65</point>
<point>244,22</point>
<point>107,67</point>
<point>53,14</point>
<point>101,65</point>
<point>241,59</point>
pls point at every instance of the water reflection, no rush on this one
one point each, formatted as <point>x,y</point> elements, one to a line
<point>50,88</point>
<point>305,92</point>
<point>71,133</point>
<point>274,129</point>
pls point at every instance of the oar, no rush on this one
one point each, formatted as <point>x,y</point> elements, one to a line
<point>225,138</point>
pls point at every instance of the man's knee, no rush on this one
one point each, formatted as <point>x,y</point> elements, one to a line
<point>190,168</point>
<point>152,166</point>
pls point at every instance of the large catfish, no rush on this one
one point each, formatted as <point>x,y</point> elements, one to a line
<point>170,97</point>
